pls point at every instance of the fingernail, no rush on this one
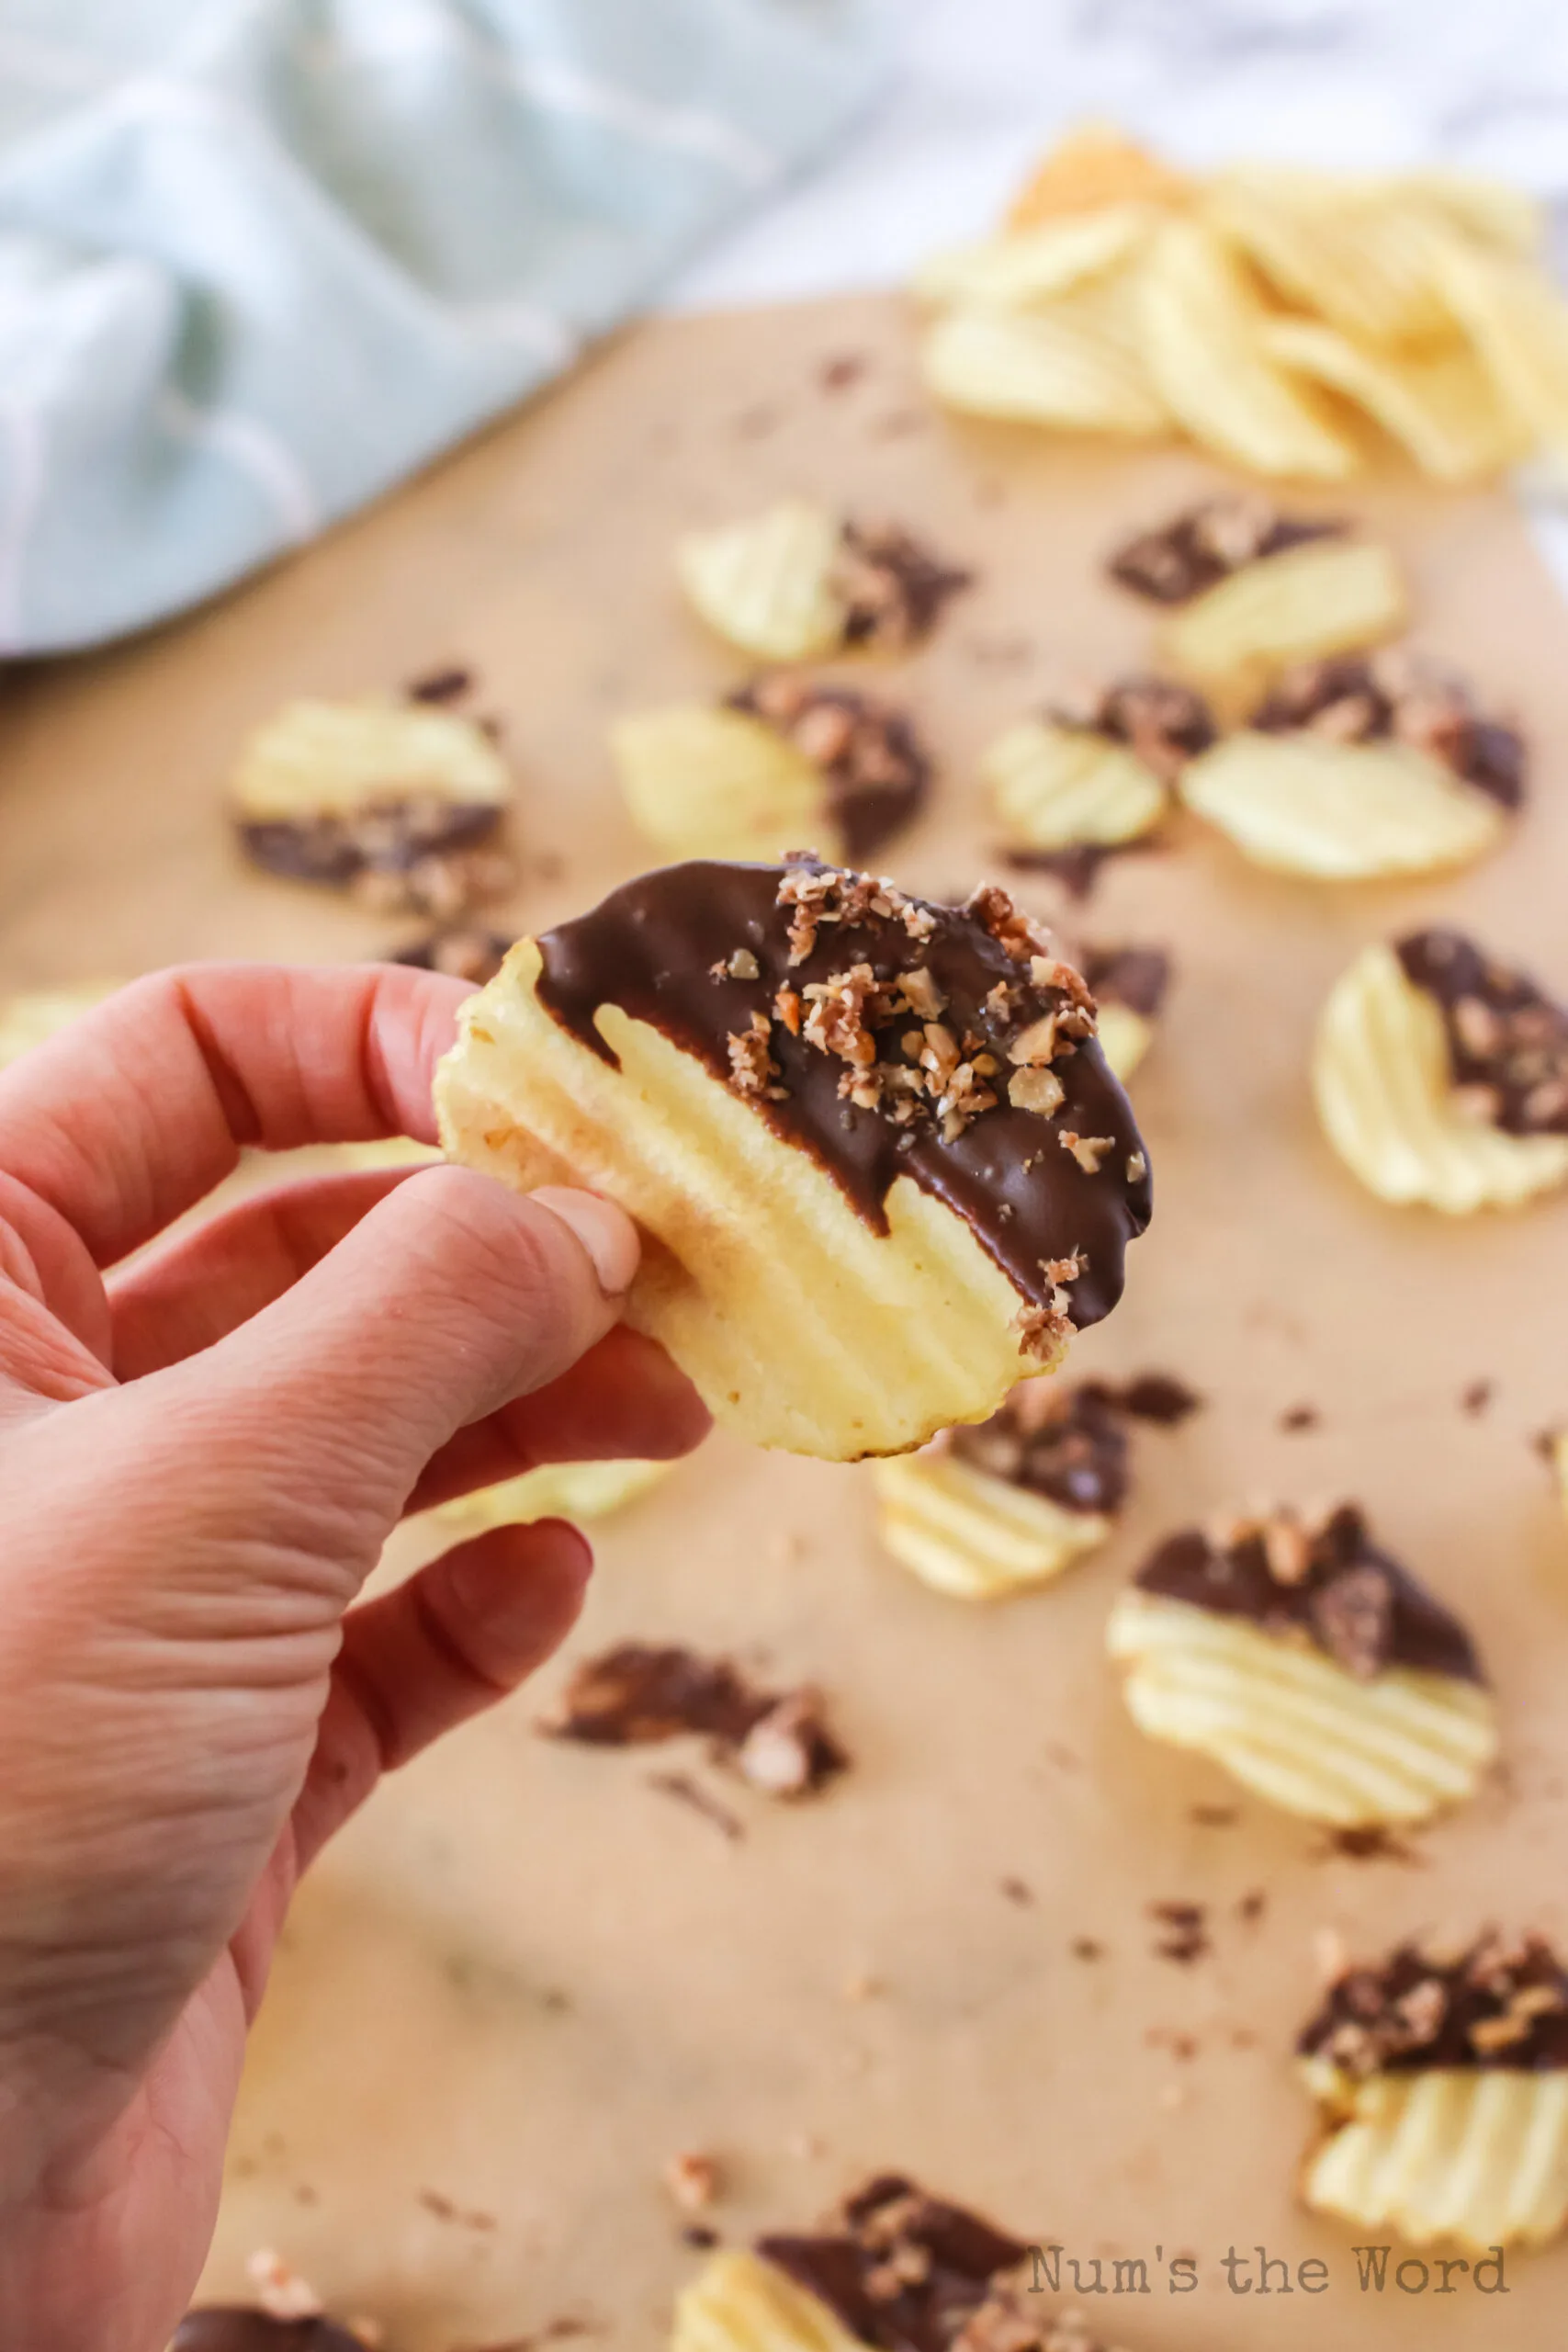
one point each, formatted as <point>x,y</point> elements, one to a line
<point>605,1232</point>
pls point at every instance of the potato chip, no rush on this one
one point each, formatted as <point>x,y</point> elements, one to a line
<point>327,760</point>
<point>766,584</point>
<point>1124,1037</point>
<point>34,1015</point>
<point>1093,166</point>
<point>1517,322</point>
<point>1029,266</point>
<point>1340,812</point>
<point>1362,262</point>
<point>1384,1092</point>
<point>1288,1722</point>
<point>1441,406</point>
<point>574,1490</point>
<point>701,781</point>
<point>1494,212</point>
<point>1054,786</point>
<point>1203,351</point>
<point>808,1322</point>
<point>1076,365</point>
<point>1478,2155</point>
<point>738,2302</point>
<point>972,1535</point>
<point>1324,596</point>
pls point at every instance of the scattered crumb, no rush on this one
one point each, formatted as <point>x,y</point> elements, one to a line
<point>693,2180</point>
<point>1085,1948</point>
<point>1545,1444</point>
<point>1243,2037</point>
<point>698,2235</point>
<point>1175,2095</point>
<point>1329,1955</point>
<point>281,2290</point>
<point>1474,1399</point>
<point>1184,1935</point>
<point>1215,1817</point>
<point>1164,2037</point>
<point>837,373</point>
<point>1017,1890</point>
<point>1252,1904</point>
<point>1300,1417</point>
<point>1370,1842</point>
<point>686,1792</point>
<point>1063,1758</point>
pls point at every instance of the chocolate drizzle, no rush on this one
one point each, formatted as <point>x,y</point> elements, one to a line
<point>903,2272</point>
<point>1067,1444</point>
<point>1507,1042</point>
<point>1331,1583</point>
<point>704,951</point>
<point>235,2329</point>
<point>1206,543</point>
<point>1501,2004</point>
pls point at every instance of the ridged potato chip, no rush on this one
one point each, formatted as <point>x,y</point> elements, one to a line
<point>34,1015</point>
<point>1325,596</point>
<point>705,782</point>
<point>1384,1092</point>
<point>738,2302</point>
<point>316,760</point>
<point>1478,2155</point>
<point>1053,786</point>
<point>806,1320</point>
<point>1030,267</point>
<point>1287,1721</point>
<point>1361,261</point>
<point>1076,365</point>
<point>1124,1037</point>
<point>1517,322</point>
<point>976,1537</point>
<point>766,584</point>
<point>574,1490</point>
<point>1340,812</point>
<point>1094,165</point>
<point>1210,370</point>
<point>1442,406</point>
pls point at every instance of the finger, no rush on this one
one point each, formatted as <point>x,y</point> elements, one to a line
<point>451,1297</point>
<point>624,1401</point>
<point>462,1634</point>
<point>192,1290</point>
<point>137,1109</point>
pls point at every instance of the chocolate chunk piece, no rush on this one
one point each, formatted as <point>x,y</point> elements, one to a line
<point>1163,724</point>
<point>451,683</point>
<point>637,1694</point>
<point>1507,1041</point>
<point>1502,2002</point>
<point>463,954</point>
<point>1136,976</point>
<point>896,1037</point>
<point>1327,1582</point>
<point>1206,543</point>
<point>893,589</point>
<point>902,2271</point>
<point>1067,1444</point>
<point>1157,1397</point>
<point>876,769</point>
<point>235,2329</point>
<point>1392,697</point>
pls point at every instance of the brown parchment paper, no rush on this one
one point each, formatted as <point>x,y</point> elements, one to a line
<point>527,1976</point>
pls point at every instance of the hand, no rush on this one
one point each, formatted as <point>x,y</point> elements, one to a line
<point>200,1458</point>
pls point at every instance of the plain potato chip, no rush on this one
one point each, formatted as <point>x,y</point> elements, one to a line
<point>766,584</point>
<point>738,2302</point>
<point>1476,2155</point>
<point>1289,1723</point>
<point>1340,812</point>
<point>1324,596</point>
<point>1209,367</point>
<point>1443,406</point>
<point>1362,262</point>
<point>1054,786</point>
<point>1094,165</point>
<point>316,760</point>
<point>1032,265</point>
<point>1384,1092</point>
<point>972,1535</point>
<point>34,1015</point>
<point>1076,365</point>
<point>1517,322</point>
<point>574,1490</point>
<point>1124,1037</point>
<point>713,783</point>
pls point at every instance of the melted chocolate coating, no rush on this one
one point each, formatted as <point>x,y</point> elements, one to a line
<point>390,836</point>
<point>1426,708</point>
<point>1386,2020</point>
<point>1413,1628</point>
<point>877,773</point>
<point>1503,1032</point>
<point>1177,561</point>
<point>1066,1444</point>
<point>651,948</point>
<point>1136,976</point>
<point>223,2329</point>
<point>959,2254</point>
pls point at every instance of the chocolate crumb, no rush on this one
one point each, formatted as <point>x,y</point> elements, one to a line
<point>1087,1948</point>
<point>1251,1906</point>
<point>1215,1817</point>
<point>1017,1890</point>
<point>1184,1933</point>
<point>1474,1399</point>
<point>698,2235</point>
<point>686,1792</point>
<point>448,685</point>
<point>1300,1417</point>
<point>837,373</point>
<point>1157,1397</point>
<point>1371,1841</point>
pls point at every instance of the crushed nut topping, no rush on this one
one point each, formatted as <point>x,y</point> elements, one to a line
<point>693,2180</point>
<point>1393,697</point>
<point>1507,1042</point>
<point>1087,1151</point>
<point>1498,2003</point>
<point>1320,1580</point>
<point>876,769</point>
<point>1162,724</point>
<point>899,2270</point>
<point>636,1694</point>
<point>751,1066</point>
<point>1205,543</point>
<point>892,588</point>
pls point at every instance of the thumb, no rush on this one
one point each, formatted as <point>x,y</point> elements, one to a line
<point>452,1296</point>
